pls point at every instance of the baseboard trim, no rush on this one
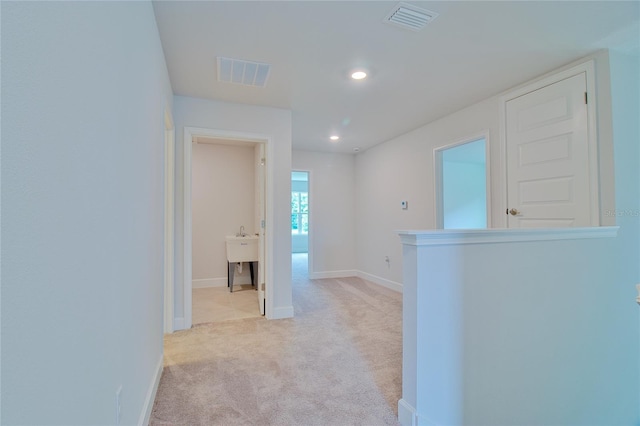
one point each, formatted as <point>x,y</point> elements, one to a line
<point>380,281</point>
<point>282,312</point>
<point>145,415</point>
<point>406,414</point>
<point>332,274</point>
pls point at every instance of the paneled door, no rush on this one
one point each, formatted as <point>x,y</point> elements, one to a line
<point>547,152</point>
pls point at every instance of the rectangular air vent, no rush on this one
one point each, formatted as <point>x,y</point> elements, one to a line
<point>242,72</point>
<point>409,16</point>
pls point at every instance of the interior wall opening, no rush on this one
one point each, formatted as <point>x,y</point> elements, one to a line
<point>300,222</point>
<point>462,185</point>
<point>257,220</point>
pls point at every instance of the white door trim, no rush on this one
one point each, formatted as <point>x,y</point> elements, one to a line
<point>240,136</point>
<point>437,168</point>
<point>588,68</point>
<point>169,219</point>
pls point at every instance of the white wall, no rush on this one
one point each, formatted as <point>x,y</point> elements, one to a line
<point>223,200</point>
<point>625,91</point>
<point>332,203</point>
<point>202,113</point>
<point>402,169</point>
<point>548,335</point>
<point>84,87</point>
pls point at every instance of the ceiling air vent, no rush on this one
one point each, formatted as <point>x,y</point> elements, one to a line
<point>409,16</point>
<point>242,72</point>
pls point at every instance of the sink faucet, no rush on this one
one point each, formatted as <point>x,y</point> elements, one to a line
<point>241,234</point>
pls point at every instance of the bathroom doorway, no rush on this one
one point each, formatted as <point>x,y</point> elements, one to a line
<point>241,201</point>
<point>462,184</point>
<point>300,222</point>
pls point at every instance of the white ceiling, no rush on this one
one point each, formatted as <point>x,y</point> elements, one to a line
<point>473,50</point>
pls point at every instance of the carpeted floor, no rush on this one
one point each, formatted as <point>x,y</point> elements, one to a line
<point>337,362</point>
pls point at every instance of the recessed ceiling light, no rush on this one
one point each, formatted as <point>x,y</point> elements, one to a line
<point>358,75</point>
<point>334,137</point>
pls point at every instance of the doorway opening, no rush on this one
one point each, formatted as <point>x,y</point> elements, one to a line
<point>462,184</point>
<point>260,221</point>
<point>225,193</point>
<point>300,222</point>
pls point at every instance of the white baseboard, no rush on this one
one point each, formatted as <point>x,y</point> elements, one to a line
<point>178,324</point>
<point>332,274</point>
<point>145,415</point>
<point>282,312</point>
<point>381,281</point>
<point>406,414</point>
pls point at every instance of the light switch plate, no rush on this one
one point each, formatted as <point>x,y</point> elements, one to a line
<point>405,205</point>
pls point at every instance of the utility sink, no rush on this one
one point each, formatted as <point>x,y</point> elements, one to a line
<point>242,249</point>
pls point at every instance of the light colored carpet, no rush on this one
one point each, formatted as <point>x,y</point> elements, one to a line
<point>337,362</point>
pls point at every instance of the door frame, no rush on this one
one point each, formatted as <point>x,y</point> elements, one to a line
<point>240,136</point>
<point>437,179</point>
<point>588,68</point>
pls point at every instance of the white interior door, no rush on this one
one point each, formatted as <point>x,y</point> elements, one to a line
<point>547,147</point>
<point>261,219</point>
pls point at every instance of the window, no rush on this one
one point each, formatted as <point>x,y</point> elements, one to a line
<point>299,212</point>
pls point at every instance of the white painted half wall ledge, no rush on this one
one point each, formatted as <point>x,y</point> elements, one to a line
<point>501,235</point>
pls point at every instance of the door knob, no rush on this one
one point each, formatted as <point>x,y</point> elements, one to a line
<point>514,212</point>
